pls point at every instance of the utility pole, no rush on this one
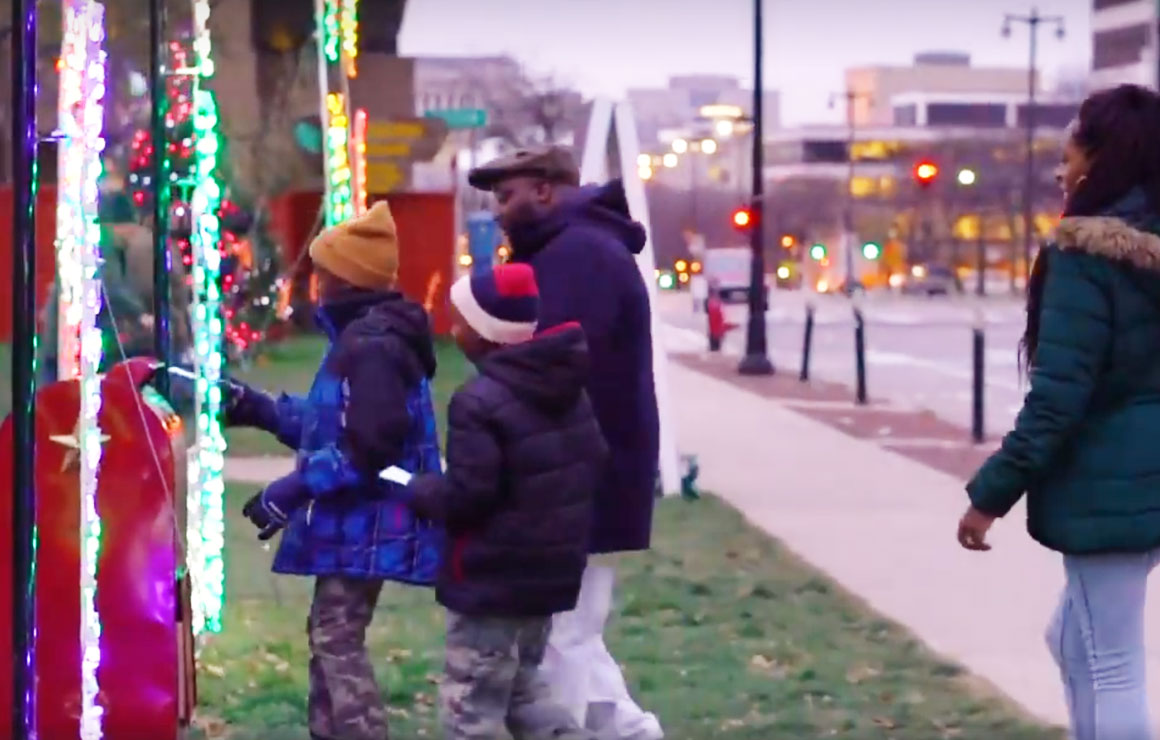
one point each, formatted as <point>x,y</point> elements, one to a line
<point>756,360</point>
<point>159,70</point>
<point>848,241</point>
<point>23,295</point>
<point>1034,20</point>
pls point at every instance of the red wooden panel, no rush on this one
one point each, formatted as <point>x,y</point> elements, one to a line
<point>426,224</point>
<point>45,252</point>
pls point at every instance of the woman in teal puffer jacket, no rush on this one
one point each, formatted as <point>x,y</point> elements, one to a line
<point>1086,445</point>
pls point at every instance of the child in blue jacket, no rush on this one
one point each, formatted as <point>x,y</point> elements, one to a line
<point>368,408</point>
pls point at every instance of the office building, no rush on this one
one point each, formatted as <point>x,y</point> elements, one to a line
<point>1125,42</point>
<point>949,76</point>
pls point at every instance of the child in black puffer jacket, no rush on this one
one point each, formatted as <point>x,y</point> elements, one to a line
<point>524,456</point>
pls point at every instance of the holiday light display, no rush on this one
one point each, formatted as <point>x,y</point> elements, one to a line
<point>206,526</point>
<point>331,27</point>
<point>359,165</point>
<point>337,32</point>
<point>340,204</point>
<point>177,149</point>
<point>250,285</point>
<point>350,37</point>
<point>81,117</point>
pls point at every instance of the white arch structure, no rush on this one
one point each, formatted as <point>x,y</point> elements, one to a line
<point>610,150</point>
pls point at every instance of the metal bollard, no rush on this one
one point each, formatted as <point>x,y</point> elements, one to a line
<point>807,342</point>
<point>860,354</point>
<point>978,391</point>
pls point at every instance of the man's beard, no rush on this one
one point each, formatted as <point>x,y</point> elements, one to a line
<point>522,228</point>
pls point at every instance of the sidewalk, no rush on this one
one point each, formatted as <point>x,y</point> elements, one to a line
<point>883,525</point>
<point>258,470</point>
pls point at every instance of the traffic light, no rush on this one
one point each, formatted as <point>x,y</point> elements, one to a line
<point>925,172</point>
<point>742,219</point>
<point>681,266</point>
<point>787,241</point>
<point>871,250</point>
<point>818,252</point>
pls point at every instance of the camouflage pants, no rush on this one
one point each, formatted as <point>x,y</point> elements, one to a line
<point>345,702</point>
<point>491,679</point>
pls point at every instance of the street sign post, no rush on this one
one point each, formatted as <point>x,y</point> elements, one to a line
<point>460,118</point>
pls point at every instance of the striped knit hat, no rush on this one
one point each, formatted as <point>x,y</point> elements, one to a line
<point>502,305</point>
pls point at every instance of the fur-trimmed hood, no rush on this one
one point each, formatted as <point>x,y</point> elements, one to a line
<point>1110,237</point>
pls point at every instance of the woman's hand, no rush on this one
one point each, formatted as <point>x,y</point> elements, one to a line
<point>973,528</point>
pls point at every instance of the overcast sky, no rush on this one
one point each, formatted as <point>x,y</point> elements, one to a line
<point>603,47</point>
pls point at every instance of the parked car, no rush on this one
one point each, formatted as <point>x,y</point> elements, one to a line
<point>930,280</point>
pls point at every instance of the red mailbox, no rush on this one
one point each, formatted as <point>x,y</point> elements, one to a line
<point>146,674</point>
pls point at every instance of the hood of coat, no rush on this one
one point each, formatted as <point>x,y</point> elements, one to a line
<point>1111,237</point>
<point>549,371</point>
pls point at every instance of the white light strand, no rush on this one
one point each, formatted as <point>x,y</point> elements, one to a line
<point>82,92</point>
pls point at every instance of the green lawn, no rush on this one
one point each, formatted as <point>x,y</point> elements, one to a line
<point>725,635</point>
<point>290,366</point>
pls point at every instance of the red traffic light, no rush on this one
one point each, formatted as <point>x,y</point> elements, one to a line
<point>742,218</point>
<point>926,172</point>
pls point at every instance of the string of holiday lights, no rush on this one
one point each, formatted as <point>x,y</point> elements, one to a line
<point>359,166</point>
<point>332,32</point>
<point>349,23</point>
<point>81,114</point>
<point>206,534</point>
<point>340,205</point>
<point>337,26</point>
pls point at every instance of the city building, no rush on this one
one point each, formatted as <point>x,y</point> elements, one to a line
<point>977,110</point>
<point>1125,42</point>
<point>955,87</point>
<point>663,114</point>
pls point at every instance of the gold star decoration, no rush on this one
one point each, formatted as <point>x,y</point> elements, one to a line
<point>72,458</point>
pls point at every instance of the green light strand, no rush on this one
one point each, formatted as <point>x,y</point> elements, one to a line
<point>331,29</point>
<point>206,504</point>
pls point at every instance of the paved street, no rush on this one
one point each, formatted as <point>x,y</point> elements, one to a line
<point>918,349</point>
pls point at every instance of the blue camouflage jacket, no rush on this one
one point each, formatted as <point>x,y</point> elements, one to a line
<point>369,407</point>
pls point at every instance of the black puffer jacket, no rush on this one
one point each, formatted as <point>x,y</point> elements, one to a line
<point>524,457</point>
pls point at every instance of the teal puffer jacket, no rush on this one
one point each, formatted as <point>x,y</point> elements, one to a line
<point>1086,445</point>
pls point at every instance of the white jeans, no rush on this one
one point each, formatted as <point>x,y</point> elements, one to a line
<point>578,666</point>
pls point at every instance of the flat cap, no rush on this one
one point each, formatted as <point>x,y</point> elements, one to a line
<point>553,163</point>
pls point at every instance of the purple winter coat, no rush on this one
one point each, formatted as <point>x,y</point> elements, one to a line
<point>583,255</point>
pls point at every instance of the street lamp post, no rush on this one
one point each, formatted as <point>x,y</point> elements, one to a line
<point>1034,20</point>
<point>848,239</point>
<point>756,360</point>
<point>967,178</point>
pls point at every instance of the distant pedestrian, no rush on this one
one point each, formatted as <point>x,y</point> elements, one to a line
<point>718,326</point>
<point>368,408</point>
<point>1084,448</point>
<point>582,243</point>
<point>524,457</point>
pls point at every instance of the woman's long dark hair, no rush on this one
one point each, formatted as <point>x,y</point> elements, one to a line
<point>1119,131</point>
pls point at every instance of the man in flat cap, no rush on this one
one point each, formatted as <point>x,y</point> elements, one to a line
<point>581,242</point>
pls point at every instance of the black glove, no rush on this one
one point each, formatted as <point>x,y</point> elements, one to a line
<point>271,508</point>
<point>182,388</point>
<point>246,406</point>
<point>243,406</point>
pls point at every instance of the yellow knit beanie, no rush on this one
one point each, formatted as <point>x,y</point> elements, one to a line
<point>363,251</point>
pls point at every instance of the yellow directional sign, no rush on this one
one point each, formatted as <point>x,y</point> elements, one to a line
<point>385,176</point>
<point>393,145</point>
